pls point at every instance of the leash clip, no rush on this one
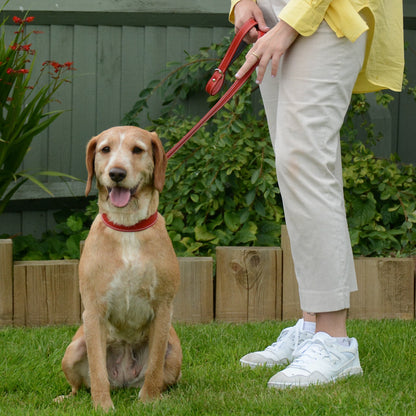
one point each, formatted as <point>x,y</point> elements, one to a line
<point>237,45</point>
<point>221,74</point>
<point>216,82</point>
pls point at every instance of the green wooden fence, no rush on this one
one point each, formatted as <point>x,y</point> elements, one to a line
<point>117,48</point>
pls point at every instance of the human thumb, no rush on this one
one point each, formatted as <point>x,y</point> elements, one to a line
<point>261,22</point>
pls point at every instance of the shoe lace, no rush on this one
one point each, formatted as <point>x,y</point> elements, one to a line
<point>314,349</point>
<point>288,334</point>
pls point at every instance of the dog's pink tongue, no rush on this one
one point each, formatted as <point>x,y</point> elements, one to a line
<point>120,197</point>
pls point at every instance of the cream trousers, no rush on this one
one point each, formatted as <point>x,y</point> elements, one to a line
<point>305,107</point>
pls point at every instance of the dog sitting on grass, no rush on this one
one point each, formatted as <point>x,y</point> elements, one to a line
<point>128,275</point>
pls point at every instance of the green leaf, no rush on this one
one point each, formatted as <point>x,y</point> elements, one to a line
<point>202,234</point>
<point>232,221</point>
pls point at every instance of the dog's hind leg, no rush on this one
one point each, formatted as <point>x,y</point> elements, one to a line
<point>173,360</point>
<point>75,364</point>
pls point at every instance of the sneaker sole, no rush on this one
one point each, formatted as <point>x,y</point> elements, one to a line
<point>268,365</point>
<point>354,371</point>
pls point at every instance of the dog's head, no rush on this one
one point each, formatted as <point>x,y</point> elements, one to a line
<point>125,160</point>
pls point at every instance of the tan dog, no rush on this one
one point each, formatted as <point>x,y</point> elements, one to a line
<point>128,278</point>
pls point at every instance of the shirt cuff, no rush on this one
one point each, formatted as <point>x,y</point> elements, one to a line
<point>304,17</point>
<point>231,17</point>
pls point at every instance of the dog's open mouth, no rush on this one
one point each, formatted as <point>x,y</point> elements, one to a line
<point>119,196</point>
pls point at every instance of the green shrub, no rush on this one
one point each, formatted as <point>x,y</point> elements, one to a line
<point>62,243</point>
<point>380,197</point>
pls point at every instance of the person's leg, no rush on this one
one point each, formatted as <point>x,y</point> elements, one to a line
<point>317,77</point>
<point>316,81</point>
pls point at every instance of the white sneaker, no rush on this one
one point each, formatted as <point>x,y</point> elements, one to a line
<point>320,359</point>
<point>280,352</point>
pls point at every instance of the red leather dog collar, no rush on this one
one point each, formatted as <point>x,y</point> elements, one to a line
<point>140,226</point>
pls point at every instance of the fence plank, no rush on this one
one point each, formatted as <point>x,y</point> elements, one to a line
<point>84,87</point>
<point>385,289</point>
<point>19,295</point>
<point>248,284</point>
<point>194,302</point>
<point>46,293</point>
<point>132,66</point>
<point>108,77</point>
<point>60,131</point>
<point>6,282</point>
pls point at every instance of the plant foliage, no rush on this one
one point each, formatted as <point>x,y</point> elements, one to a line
<point>61,243</point>
<point>23,104</point>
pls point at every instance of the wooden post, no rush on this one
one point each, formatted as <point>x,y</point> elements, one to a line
<point>290,302</point>
<point>385,289</point>
<point>46,293</point>
<point>6,282</point>
<point>194,302</point>
<point>249,283</point>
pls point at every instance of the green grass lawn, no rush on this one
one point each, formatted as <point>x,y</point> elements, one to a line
<point>213,383</point>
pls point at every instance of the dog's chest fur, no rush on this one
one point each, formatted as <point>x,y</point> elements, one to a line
<point>131,293</point>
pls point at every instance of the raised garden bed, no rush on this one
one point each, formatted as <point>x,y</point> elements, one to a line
<point>251,284</point>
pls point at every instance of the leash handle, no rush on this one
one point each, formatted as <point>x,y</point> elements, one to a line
<point>236,47</point>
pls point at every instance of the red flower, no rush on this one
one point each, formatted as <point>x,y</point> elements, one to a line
<point>29,19</point>
<point>23,71</point>
<point>26,47</point>
<point>14,47</point>
<point>17,20</point>
<point>10,71</point>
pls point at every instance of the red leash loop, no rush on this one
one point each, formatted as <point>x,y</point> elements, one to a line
<point>236,47</point>
<point>217,80</point>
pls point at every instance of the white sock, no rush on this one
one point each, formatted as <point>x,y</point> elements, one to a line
<point>345,341</point>
<point>309,326</point>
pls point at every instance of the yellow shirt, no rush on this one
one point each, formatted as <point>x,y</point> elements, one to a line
<point>384,60</point>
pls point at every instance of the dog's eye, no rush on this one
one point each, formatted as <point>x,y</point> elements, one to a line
<point>106,149</point>
<point>137,150</point>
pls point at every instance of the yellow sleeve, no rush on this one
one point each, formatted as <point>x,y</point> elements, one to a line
<point>231,14</point>
<point>305,16</point>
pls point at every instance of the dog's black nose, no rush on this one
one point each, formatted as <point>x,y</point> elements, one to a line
<point>117,174</point>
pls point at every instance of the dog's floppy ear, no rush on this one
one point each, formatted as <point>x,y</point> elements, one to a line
<point>160,162</point>
<point>89,161</point>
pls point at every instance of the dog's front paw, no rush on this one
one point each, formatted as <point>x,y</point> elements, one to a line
<point>147,395</point>
<point>103,402</point>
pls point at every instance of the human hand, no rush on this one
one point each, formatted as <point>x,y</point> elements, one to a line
<point>270,47</point>
<point>245,10</point>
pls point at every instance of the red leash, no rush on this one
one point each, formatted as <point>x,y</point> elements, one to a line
<point>217,80</point>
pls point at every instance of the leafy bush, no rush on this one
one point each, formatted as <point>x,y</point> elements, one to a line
<point>62,243</point>
<point>380,199</point>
